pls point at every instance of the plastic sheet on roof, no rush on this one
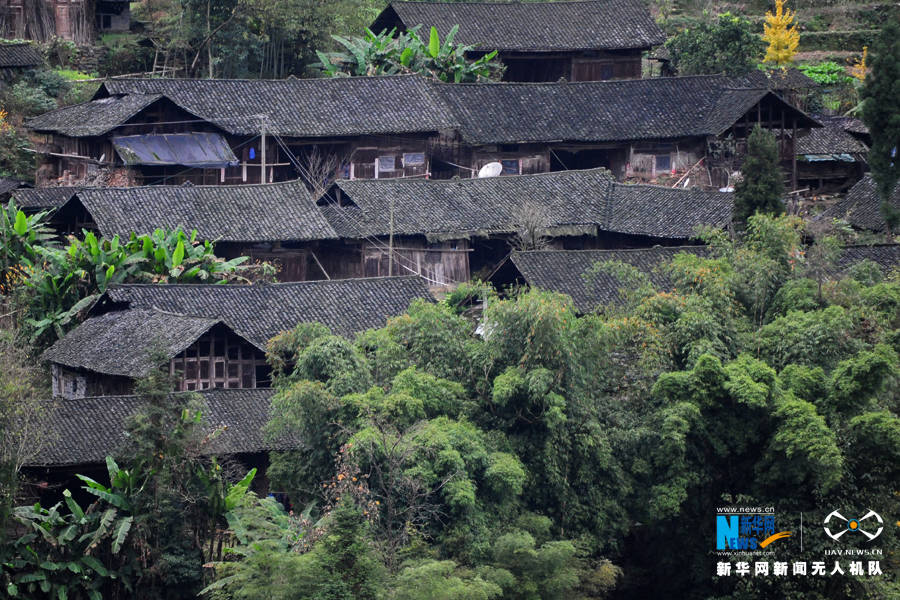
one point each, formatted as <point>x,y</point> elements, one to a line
<point>202,150</point>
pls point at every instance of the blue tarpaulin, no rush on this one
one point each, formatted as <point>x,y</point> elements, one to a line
<point>202,150</point>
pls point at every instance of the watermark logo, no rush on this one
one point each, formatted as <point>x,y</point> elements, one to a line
<point>739,529</point>
<point>842,525</point>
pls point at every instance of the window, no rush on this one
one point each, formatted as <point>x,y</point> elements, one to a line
<point>387,163</point>
<point>606,72</point>
<point>510,166</point>
<point>412,159</point>
<point>219,360</point>
<point>663,162</point>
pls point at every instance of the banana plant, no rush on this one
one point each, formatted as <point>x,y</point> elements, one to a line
<point>20,234</point>
<point>61,554</point>
<point>389,53</point>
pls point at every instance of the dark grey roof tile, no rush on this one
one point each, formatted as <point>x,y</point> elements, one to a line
<point>343,106</point>
<point>231,213</point>
<point>259,312</point>
<point>830,139</point>
<point>43,198</point>
<point>87,430</point>
<point>93,118</point>
<point>534,26</point>
<point>861,207</point>
<point>124,342</point>
<point>19,56</point>
<point>575,201</point>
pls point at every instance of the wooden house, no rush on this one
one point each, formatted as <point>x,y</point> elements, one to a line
<point>446,230</point>
<point>278,222</point>
<point>79,21</point>
<point>227,132</point>
<point>442,230</point>
<point>830,159</point>
<point>210,336</point>
<point>676,128</point>
<point>571,272</point>
<point>590,40</point>
<point>83,432</point>
<point>686,129</point>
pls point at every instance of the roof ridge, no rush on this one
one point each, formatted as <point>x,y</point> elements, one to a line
<point>190,187</point>
<point>210,391</point>
<point>595,250</point>
<point>607,82</point>
<point>281,284</point>
<point>263,81</point>
<point>470,179</point>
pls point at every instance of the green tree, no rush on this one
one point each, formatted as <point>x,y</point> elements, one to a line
<point>761,186</point>
<point>881,114</point>
<point>23,410</point>
<point>727,44</point>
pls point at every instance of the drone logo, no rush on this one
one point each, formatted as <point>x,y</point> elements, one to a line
<point>853,525</point>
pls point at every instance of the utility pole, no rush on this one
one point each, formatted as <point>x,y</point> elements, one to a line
<point>391,241</point>
<point>262,150</point>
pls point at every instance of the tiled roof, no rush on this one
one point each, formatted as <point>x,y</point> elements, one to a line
<point>666,212</point>
<point>861,207</point>
<point>19,55</point>
<point>259,312</point>
<point>7,185</point>
<point>597,111</point>
<point>586,199</point>
<point>533,26</point>
<point>231,213</point>
<point>87,430</point>
<point>562,271</point>
<point>469,206</point>
<point>92,118</point>
<point>43,198</point>
<point>886,256</point>
<point>848,124</point>
<point>125,342</point>
<point>342,106</point>
<point>829,140</point>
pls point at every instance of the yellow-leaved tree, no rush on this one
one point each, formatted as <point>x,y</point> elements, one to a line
<point>780,31</point>
<point>859,68</point>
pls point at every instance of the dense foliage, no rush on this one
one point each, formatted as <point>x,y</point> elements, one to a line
<point>538,460</point>
<point>727,44</point>
<point>881,114</point>
<point>392,53</point>
<point>247,38</point>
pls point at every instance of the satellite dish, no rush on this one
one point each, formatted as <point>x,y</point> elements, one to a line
<point>492,169</point>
